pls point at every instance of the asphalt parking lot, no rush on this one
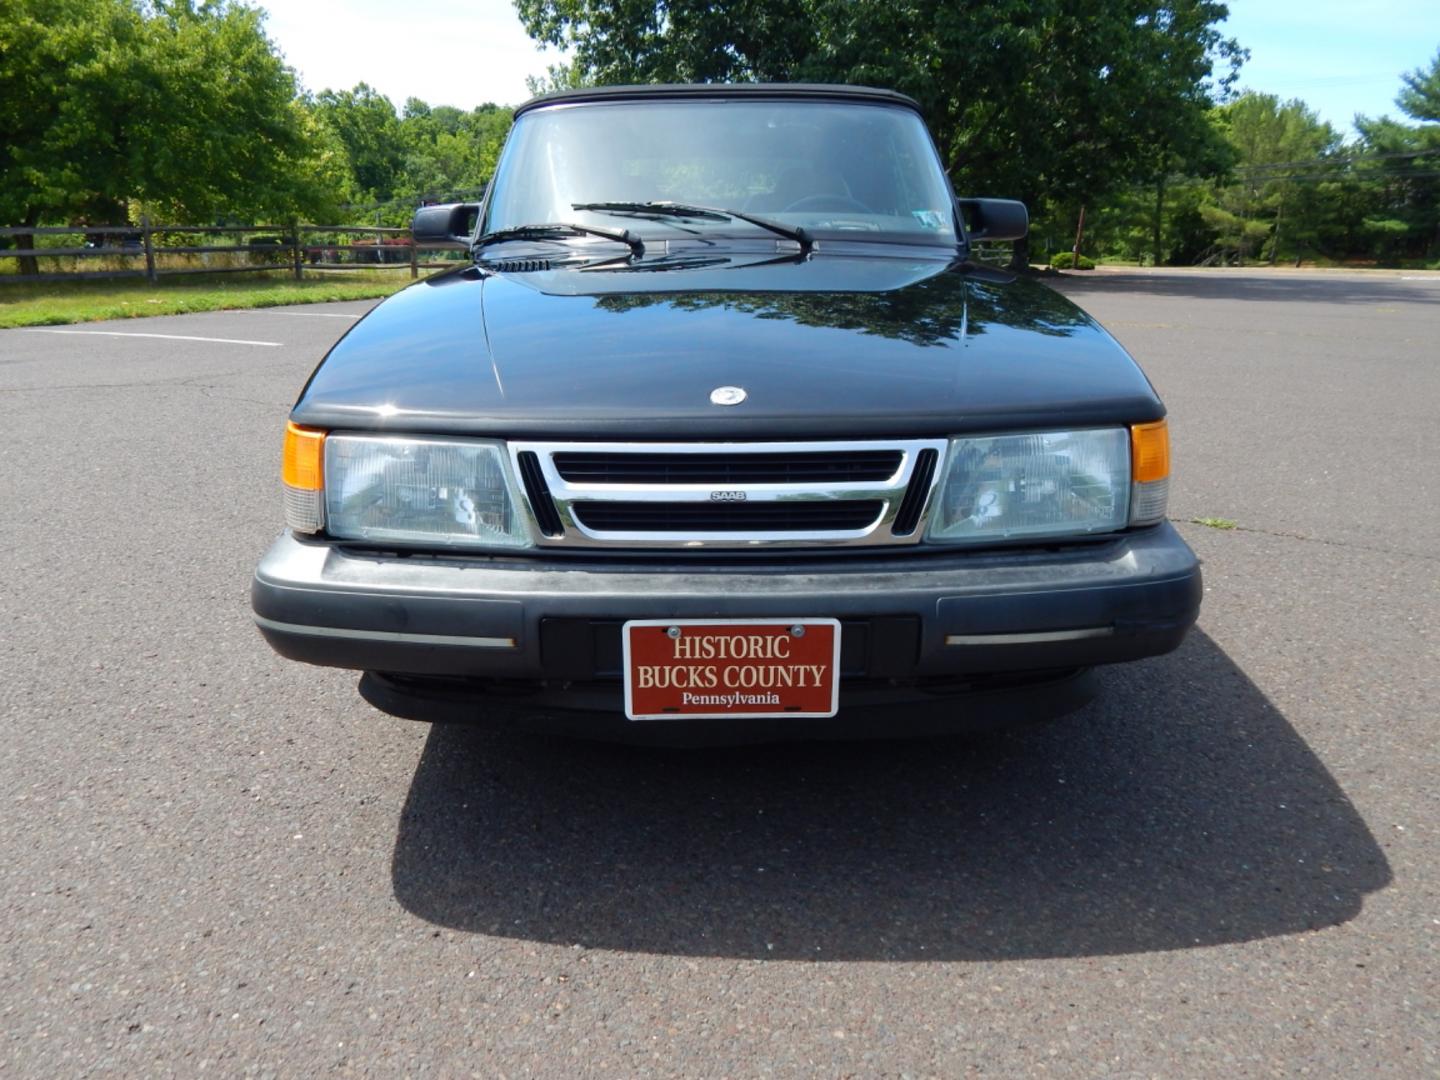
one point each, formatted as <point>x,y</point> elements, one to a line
<point>218,861</point>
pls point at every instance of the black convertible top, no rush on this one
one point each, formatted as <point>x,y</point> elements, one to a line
<point>714,91</point>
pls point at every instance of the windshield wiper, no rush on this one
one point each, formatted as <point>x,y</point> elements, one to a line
<point>559,231</point>
<point>657,209</point>
<point>710,213</point>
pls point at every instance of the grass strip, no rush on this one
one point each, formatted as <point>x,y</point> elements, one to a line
<point>56,303</point>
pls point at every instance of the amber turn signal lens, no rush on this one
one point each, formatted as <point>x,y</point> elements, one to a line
<point>1149,452</point>
<point>303,463</point>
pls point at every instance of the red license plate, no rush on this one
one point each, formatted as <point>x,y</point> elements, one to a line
<point>728,667</point>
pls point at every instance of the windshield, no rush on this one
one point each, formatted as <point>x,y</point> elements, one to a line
<point>864,171</point>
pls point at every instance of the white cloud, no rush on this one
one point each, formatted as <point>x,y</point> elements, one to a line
<point>446,52</point>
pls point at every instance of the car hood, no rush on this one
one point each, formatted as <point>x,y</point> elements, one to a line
<point>839,343</point>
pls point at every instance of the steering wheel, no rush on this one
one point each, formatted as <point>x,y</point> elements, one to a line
<point>827,202</point>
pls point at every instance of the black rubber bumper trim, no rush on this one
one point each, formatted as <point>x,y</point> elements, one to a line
<point>1145,587</point>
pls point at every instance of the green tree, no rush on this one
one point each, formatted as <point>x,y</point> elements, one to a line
<point>648,41</point>
<point>557,77</point>
<point>448,150</point>
<point>1187,140</point>
<point>1420,97</point>
<point>223,133</point>
<point>1276,144</point>
<point>1056,102</point>
<point>67,148</point>
<point>182,106</point>
<point>1403,215</point>
<point>365,122</point>
<point>323,173</point>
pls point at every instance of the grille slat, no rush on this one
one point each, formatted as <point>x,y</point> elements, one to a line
<point>804,467</point>
<point>915,494</point>
<point>671,517</point>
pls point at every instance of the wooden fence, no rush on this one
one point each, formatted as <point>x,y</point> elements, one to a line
<point>287,248</point>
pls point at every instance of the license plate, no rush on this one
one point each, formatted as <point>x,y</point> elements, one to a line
<point>731,667</point>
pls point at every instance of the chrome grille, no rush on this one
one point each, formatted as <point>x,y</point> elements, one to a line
<point>736,495</point>
<point>713,517</point>
<point>728,467</point>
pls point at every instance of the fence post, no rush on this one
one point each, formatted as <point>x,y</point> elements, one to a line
<point>414,262</point>
<point>295,247</point>
<point>150,275</point>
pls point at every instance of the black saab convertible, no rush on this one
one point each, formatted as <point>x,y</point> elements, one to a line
<point>722,434</point>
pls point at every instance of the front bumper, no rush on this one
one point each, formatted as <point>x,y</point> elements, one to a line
<point>915,621</point>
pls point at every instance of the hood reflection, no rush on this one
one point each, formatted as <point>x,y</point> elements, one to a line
<point>939,311</point>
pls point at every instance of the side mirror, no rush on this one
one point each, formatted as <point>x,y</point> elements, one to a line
<point>450,225</point>
<point>995,219</point>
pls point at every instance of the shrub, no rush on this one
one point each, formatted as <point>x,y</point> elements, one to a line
<point>1065,260</point>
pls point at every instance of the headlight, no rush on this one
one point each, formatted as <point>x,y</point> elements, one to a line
<point>1054,483</point>
<point>420,491</point>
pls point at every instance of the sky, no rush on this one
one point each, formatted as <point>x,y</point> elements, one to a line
<point>445,52</point>
<point>1341,58</point>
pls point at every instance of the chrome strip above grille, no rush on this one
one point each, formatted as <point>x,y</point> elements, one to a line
<point>564,494</point>
<point>1039,637</point>
<point>394,636</point>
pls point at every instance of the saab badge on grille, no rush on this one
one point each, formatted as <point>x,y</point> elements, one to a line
<point>727,395</point>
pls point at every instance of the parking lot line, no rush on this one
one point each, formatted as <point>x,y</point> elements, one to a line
<point>167,337</point>
<point>297,314</point>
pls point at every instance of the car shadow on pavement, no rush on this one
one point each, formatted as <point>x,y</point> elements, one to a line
<point>1181,809</point>
<point>1283,286</point>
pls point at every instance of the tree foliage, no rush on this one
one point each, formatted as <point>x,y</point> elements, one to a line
<point>1056,102</point>
<point>185,110</point>
<point>1296,191</point>
<point>422,150</point>
<point>364,122</point>
<point>1402,217</point>
<point>1263,210</point>
<point>183,106</point>
<point>649,41</point>
<point>1125,108</point>
<point>1419,97</point>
